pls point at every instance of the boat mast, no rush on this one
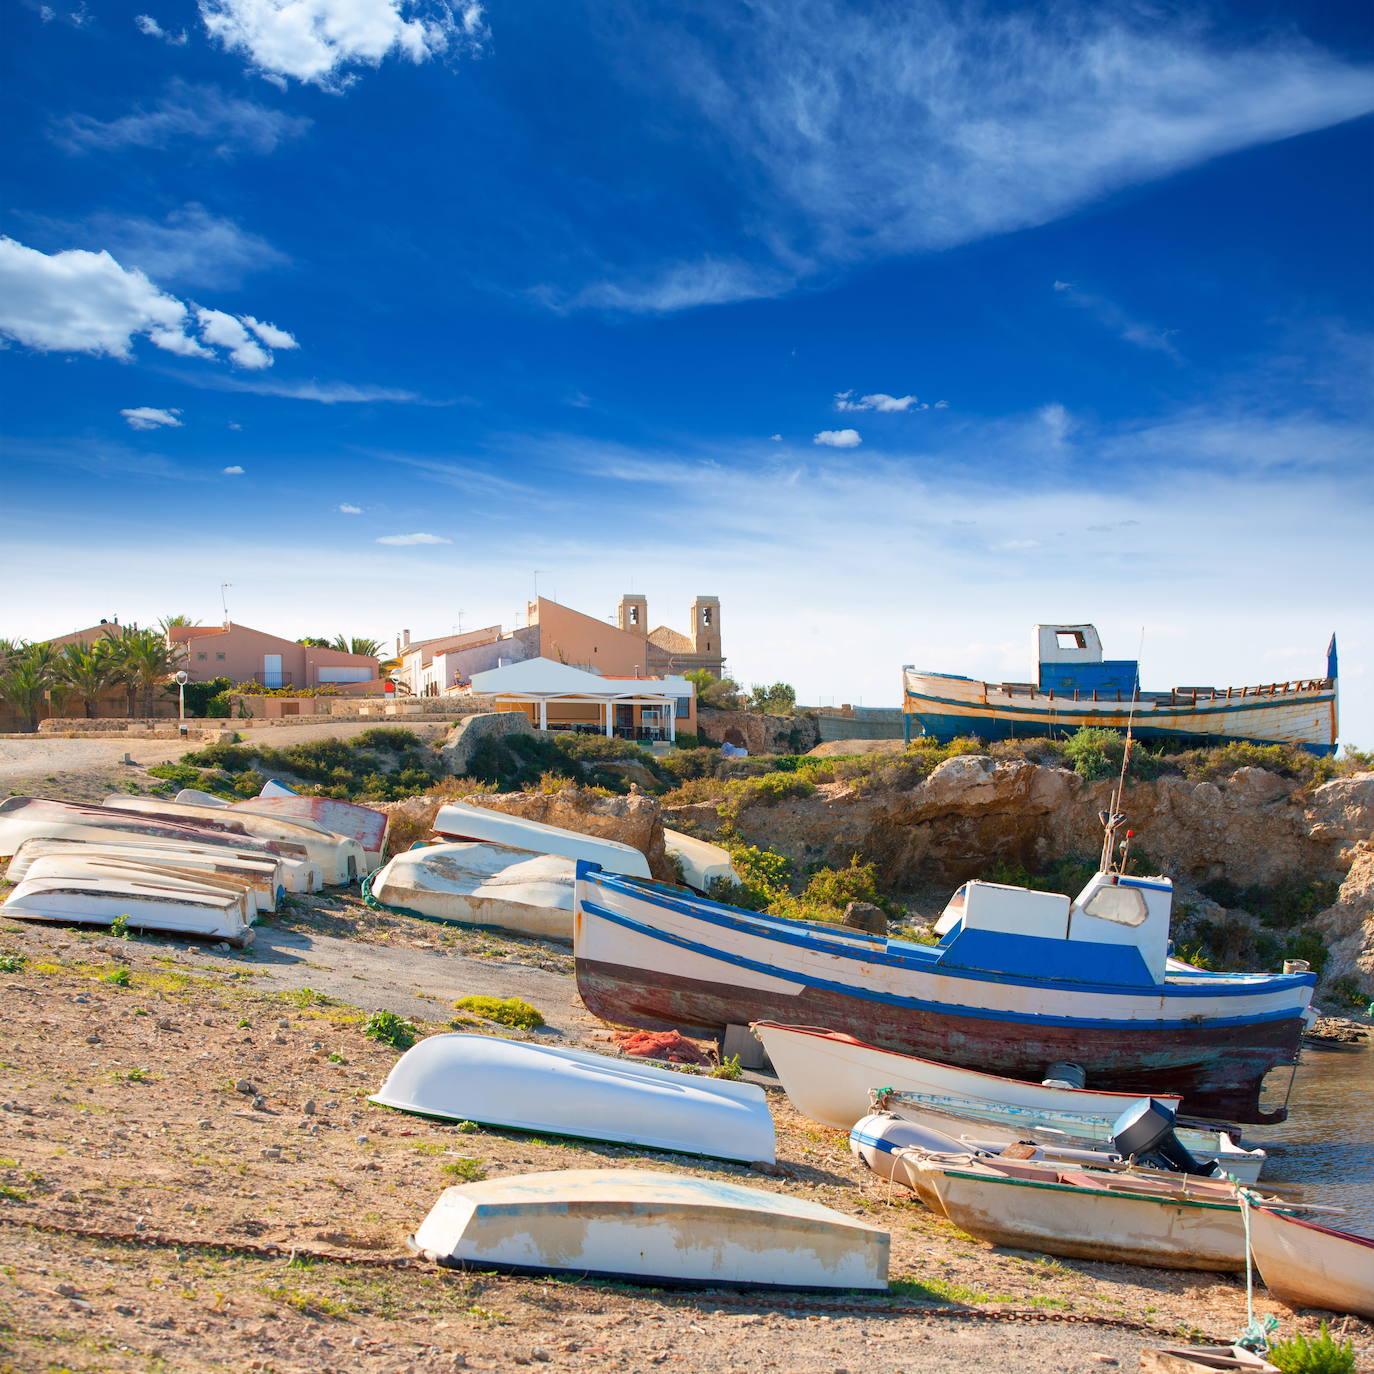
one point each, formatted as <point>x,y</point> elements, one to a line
<point>1113,818</point>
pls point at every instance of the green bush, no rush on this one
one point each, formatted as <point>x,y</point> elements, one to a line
<point>505,1011</point>
<point>518,763</point>
<point>829,891</point>
<point>390,1029</point>
<point>1319,1354</point>
<point>198,695</point>
<point>1094,752</point>
<point>767,790</point>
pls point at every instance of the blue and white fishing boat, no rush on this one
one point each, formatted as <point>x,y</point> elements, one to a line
<point>1020,980</point>
<point>1076,686</point>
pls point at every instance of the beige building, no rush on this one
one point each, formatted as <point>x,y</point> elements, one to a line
<point>245,655</point>
<point>627,648</point>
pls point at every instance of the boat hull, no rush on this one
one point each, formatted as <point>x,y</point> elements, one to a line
<point>548,1089</point>
<point>1306,1265</point>
<point>645,958</point>
<point>702,862</point>
<point>468,821</point>
<point>652,1227</point>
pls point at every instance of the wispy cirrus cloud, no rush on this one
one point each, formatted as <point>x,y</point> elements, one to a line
<point>323,41</point>
<point>1112,317</point>
<point>883,403</point>
<point>205,114</point>
<point>323,393</point>
<point>677,286</point>
<point>411,540</point>
<point>348,508</point>
<point>151,417</point>
<point>146,24</point>
<point>855,134</point>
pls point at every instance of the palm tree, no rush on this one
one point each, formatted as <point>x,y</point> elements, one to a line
<point>357,645</point>
<point>25,679</point>
<point>87,671</point>
<point>170,622</point>
<point>142,659</point>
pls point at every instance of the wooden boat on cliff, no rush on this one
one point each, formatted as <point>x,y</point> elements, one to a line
<point>1306,1265</point>
<point>1077,687</point>
<point>1020,980</point>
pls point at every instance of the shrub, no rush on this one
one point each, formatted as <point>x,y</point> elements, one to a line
<point>728,1068</point>
<point>12,963</point>
<point>121,978</point>
<point>1319,1354</point>
<point>198,695</point>
<point>505,1011</point>
<point>829,891</point>
<point>767,790</point>
<point>469,1170</point>
<point>1094,752</point>
<point>764,878</point>
<point>390,1029</point>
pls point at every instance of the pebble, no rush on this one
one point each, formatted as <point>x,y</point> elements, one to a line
<point>271,1152</point>
<point>309,1108</point>
<point>165,1023</point>
<point>540,1354</point>
<point>204,1123</point>
<point>66,1290</point>
<point>284,1024</point>
<point>93,1040</point>
<point>361,1140</point>
<point>245,1087</point>
<point>1106,1359</point>
<point>260,1102</point>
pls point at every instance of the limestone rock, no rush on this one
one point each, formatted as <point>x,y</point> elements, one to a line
<point>758,733</point>
<point>1348,924</point>
<point>472,731</point>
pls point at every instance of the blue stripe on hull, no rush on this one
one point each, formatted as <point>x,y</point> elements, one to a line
<point>990,728</point>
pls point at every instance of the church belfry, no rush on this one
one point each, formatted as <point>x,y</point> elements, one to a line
<point>706,624</point>
<point>632,615</point>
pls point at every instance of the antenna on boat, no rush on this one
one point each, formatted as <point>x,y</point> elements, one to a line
<point>1112,819</point>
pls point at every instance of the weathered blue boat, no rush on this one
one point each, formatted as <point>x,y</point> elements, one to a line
<point>1076,686</point>
<point>1019,981</point>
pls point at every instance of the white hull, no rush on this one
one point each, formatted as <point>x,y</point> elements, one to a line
<point>100,901</point>
<point>1179,1224</point>
<point>482,885</point>
<point>161,876</point>
<point>341,859</point>
<point>829,1076</point>
<point>1306,1265</point>
<point>544,1088</point>
<point>30,818</point>
<point>641,1224</point>
<point>702,862</point>
<point>265,875</point>
<point>468,821</point>
<point>360,823</point>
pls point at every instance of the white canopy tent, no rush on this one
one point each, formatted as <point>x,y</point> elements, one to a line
<point>541,682</point>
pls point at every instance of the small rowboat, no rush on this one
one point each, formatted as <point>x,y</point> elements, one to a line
<point>341,859</point>
<point>642,1225</point>
<point>702,862</point>
<point>548,1089</point>
<point>467,821</point>
<point>153,875</point>
<point>1137,1216</point>
<point>354,822</point>
<point>481,885</point>
<point>161,905</point>
<point>1306,1265</point>
<point>829,1077</point>
<point>263,872</point>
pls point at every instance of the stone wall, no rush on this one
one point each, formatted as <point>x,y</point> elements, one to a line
<point>759,734</point>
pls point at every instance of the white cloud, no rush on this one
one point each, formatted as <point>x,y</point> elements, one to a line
<point>191,246</point>
<point>234,424</point>
<point>838,438</point>
<point>879,400</point>
<point>776,438</point>
<point>940,405</point>
<point>1113,317</point>
<point>865,132</point>
<point>229,124</point>
<point>319,40</point>
<point>325,393</point>
<point>410,539</point>
<point>233,471</point>
<point>1057,421</point>
<point>347,509</point>
<point>231,333</point>
<point>150,417</point>
<point>147,24</point>
<point>1016,545</point>
<point>270,334</point>
<point>681,286</point>
<point>82,302</point>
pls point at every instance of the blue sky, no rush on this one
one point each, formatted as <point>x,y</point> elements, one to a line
<point>897,326</point>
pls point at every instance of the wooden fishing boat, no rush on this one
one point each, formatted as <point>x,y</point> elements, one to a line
<point>1306,1265</point>
<point>830,1076</point>
<point>361,823</point>
<point>1020,981</point>
<point>466,820</point>
<point>996,1123</point>
<point>341,859</point>
<point>147,905</point>
<point>702,862</point>
<point>1076,687</point>
<point>30,818</point>
<point>1165,1221</point>
<point>551,1090</point>
<point>480,885</point>
<point>643,1225</point>
<point>263,873</point>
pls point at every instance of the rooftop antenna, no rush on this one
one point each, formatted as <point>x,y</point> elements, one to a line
<point>224,600</point>
<point>1114,818</point>
<point>537,571</point>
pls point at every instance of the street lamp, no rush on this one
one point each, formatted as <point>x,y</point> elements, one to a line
<point>182,679</point>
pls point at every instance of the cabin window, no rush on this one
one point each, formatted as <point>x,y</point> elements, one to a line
<point>1124,905</point>
<point>1070,639</point>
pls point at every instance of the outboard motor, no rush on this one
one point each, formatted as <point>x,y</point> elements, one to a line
<point>1145,1132</point>
<point>1064,1075</point>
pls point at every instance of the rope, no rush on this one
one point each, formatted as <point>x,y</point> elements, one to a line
<point>1256,1335</point>
<point>876,1306</point>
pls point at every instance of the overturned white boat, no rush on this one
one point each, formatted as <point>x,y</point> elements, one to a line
<point>343,818</point>
<point>642,1225</point>
<point>481,885</point>
<point>151,875</point>
<point>30,818</point>
<point>341,859</point>
<point>162,905</point>
<point>466,820</point>
<point>702,862</point>
<point>264,873</point>
<point>548,1089</point>
<point>829,1077</point>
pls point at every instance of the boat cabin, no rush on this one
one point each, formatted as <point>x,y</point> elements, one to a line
<point>1070,659</point>
<point>1115,931</point>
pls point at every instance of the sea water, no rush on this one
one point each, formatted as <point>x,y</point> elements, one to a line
<point>1324,1152</point>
